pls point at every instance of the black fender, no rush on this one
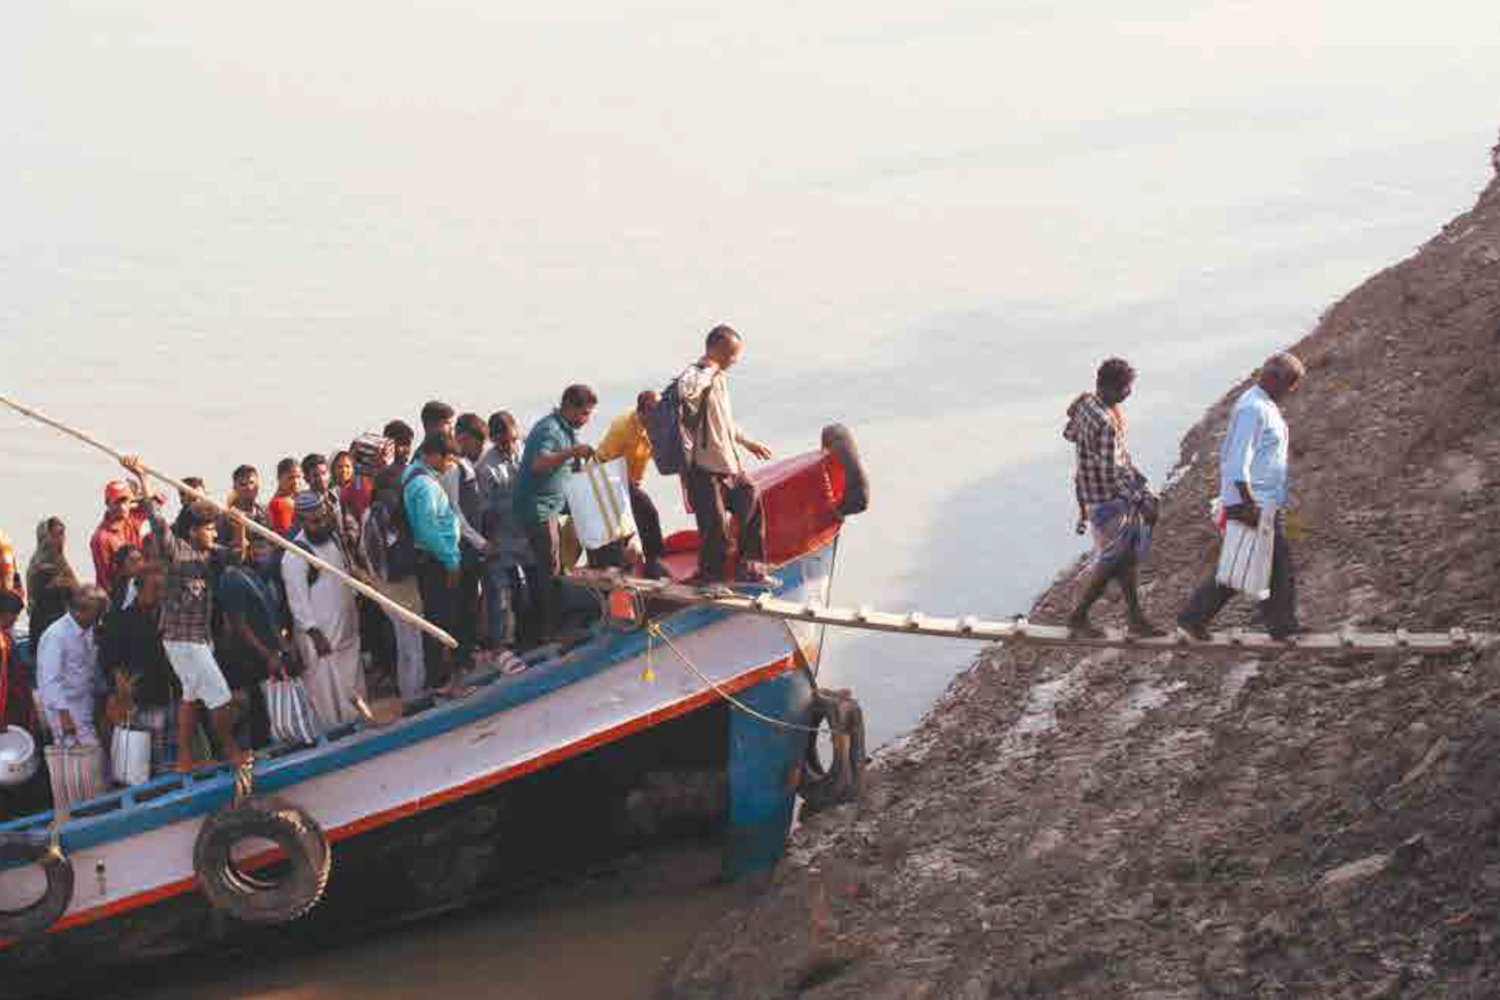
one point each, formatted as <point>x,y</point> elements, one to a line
<point>35,917</point>
<point>840,780</point>
<point>258,896</point>
<point>838,440</point>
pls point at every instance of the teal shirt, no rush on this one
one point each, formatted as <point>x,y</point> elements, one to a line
<point>434,528</point>
<point>539,495</point>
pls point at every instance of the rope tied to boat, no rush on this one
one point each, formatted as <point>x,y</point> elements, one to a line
<point>654,631</point>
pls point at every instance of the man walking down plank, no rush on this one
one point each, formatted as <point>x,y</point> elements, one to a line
<point>1113,498</point>
<point>1253,470</point>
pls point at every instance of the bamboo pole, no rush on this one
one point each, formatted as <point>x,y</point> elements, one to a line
<point>394,607</point>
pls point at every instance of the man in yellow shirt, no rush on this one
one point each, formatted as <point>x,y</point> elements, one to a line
<point>627,439</point>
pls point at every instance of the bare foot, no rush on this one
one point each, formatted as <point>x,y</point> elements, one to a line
<point>185,766</point>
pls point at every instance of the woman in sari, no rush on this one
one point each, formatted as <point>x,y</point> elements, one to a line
<point>49,578</point>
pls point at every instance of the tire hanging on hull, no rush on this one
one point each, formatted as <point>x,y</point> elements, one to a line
<point>839,781</point>
<point>34,918</point>
<point>254,896</point>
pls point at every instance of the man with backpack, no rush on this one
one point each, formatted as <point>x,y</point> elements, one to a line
<point>435,535</point>
<point>714,472</point>
<point>539,500</point>
<point>388,549</point>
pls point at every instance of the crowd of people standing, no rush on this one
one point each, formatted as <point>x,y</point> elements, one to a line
<point>185,619</point>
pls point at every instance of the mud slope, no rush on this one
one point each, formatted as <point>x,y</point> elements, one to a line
<point>1188,825</point>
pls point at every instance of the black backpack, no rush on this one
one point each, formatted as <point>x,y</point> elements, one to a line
<point>388,519</point>
<point>671,440</point>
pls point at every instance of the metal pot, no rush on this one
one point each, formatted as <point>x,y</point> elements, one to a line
<point>18,756</point>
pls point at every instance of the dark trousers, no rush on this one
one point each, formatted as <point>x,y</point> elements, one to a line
<point>439,606</point>
<point>546,582</point>
<point>714,497</point>
<point>647,529</point>
<point>1279,611</point>
<point>466,606</point>
<point>647,522</point>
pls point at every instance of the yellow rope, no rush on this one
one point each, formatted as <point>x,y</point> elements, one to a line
<point>653,629</point>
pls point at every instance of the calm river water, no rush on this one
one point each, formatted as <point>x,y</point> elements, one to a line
<point>237,233</point>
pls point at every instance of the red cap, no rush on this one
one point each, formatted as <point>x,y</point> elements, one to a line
<point>117,489</point>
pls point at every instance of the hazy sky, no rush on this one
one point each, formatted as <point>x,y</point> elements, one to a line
<point>233,233</point>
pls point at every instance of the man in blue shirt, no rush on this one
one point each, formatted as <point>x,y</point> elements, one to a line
<point>434,532</point>
<point>539,501</point>
<point>1252,471</point>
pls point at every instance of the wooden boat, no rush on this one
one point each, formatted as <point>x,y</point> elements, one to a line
<point>694,727</point>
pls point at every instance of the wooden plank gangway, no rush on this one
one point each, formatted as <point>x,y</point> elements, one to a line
<point>1019,629</point>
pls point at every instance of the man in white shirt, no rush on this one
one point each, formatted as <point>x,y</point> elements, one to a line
<point>1253,470</point>
<point>69,681</point>
<point>325,617</point>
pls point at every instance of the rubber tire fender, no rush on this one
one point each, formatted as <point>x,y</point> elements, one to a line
<point>36,917</point>
<point>840,782</point>
<point>252,897</point>
<point>839,440</point>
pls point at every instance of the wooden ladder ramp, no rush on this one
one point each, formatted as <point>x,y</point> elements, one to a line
<point>1019,629</point>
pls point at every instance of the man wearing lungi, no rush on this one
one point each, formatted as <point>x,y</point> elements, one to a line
<point>1114,500</point>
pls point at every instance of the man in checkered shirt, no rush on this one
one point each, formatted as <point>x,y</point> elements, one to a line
<point>192,567</point>
<point>1114,500</point>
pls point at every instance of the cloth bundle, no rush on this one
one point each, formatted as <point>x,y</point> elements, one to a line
<point>291,714</point>
<point>1245,556</point>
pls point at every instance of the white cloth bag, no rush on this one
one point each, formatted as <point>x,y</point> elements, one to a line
<point>290,713</point>
<point>130,756</point>
<point>599,501</point>
<point>1245,557</point>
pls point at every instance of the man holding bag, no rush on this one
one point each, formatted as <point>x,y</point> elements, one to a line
<point>1253,470</point>
<point>131,649</point>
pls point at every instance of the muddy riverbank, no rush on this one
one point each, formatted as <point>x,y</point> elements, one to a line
<point>1188,825</point>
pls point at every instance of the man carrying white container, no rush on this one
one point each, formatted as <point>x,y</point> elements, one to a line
<point>539,500</point>
<point>1253,472</point>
